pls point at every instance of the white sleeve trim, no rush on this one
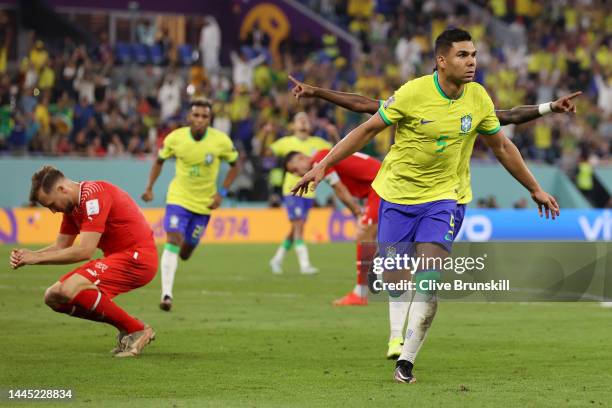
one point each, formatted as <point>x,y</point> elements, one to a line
<point>332,178</point>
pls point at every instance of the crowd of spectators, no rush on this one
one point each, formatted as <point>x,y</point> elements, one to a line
<point>79,100</point>
<point>567,48</point>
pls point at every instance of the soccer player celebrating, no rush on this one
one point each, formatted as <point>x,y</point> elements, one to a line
<point>419,179</point>
<point>297,207</point>
<point>106,218</point>
<point>192,194</point>
<point>357,103</point>
<point>351,177</point>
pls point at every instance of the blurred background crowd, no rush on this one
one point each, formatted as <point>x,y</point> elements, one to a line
<point>120,96</point>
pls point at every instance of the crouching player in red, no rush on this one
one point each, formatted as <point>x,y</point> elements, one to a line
<point>106,218</point>
<point>352,177</point>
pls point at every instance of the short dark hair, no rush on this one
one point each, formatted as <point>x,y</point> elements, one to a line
<point>44,179</point>
<point>201,103</point>
<point>445,41</point>
<point>288,158</point>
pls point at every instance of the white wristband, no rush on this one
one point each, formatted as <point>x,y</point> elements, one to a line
<point>544,108</point>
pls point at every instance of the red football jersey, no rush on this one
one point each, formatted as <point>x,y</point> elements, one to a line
<point>357,172</point>
<point>107,209</point>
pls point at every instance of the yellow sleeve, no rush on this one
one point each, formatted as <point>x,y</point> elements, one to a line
<point>279,147</point>
<point>321,144</point>
<point>490,124</point>
<point>228,151</point>
<point>167,150</point>
<point>399,105</point>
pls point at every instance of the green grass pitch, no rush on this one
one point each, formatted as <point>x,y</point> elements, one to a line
<point>239,336</point>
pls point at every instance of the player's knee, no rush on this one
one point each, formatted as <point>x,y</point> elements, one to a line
<point>298,229</point>
<point>53,298</point>
<point>361,234</point>
<point>49,298</point>
<point>65,293</point>
<point>175,239</point>
<point>184,255</point>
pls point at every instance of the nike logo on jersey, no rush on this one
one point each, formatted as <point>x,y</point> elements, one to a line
<point>425,121</point>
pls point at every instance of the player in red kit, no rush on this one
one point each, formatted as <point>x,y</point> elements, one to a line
<point>352,177</point>
<point>105,217</point>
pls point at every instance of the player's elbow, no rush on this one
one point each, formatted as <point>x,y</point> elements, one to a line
<point>86,252</point>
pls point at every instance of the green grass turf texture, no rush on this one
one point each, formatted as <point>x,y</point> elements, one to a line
<point>239,336</point>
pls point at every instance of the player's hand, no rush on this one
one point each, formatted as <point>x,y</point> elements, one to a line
<point>314,176</point>
<point>29,257</point>
<point>21,257</point>
<point>147,196</point>
<point>217,200</point>
<point>300,89</point>
<point>546,204</point>
<point>565,103</point>
<point>15,259</point>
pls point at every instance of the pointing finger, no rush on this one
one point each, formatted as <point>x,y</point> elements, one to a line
<point>295,81</point>
<point>573,95</point>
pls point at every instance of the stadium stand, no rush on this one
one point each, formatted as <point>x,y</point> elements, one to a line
<point>111,100</point>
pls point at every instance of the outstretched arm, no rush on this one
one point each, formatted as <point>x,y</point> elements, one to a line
<point>153,175</point>
<point>347,199</point>
<point>510,157</point>
<point>526,113</point>
<point>350,101</point>
<point>353,142</point>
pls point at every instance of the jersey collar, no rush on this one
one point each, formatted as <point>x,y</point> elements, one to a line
<point>80,190</point>
<point>441,92</point>
<point>75,210</point>
<point>203,137</point>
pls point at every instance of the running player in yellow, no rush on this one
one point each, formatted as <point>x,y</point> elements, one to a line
<point>192,194</point>
<point>419,182</point>
<point>297,207</point>
<point>357,103</point>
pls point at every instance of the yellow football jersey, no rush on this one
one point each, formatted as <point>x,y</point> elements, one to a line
<point>197,166</point>
<point>308,146</point>
<point>434,138</point>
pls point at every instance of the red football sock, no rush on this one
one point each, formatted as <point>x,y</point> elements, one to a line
<point>95,305</point>
<point>365,253</point>
<point>360,262</point>
<point>77,311</point>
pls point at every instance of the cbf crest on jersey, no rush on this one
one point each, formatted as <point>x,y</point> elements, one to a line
<point>209,158</point>
<point>466,123</point>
